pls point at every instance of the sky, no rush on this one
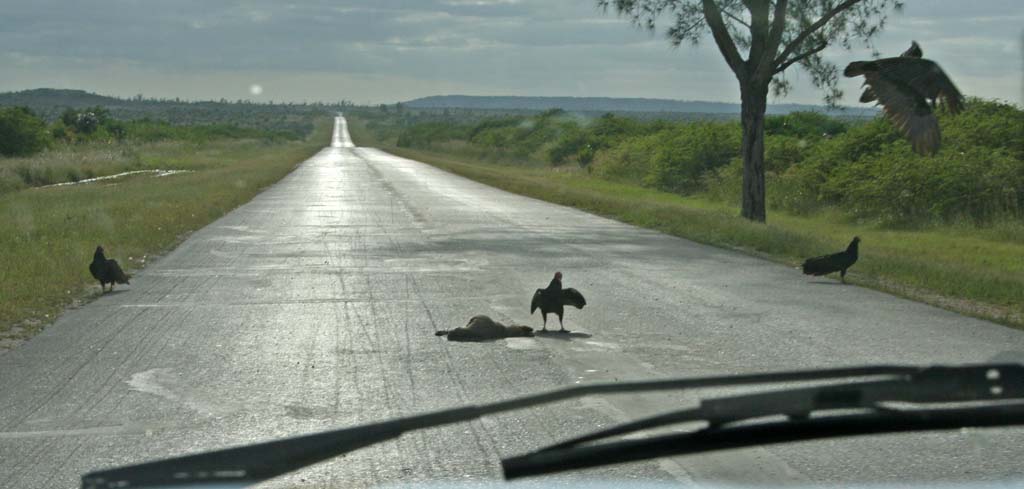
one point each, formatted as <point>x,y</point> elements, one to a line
<point>384,51</point>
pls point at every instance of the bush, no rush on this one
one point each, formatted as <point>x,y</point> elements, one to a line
<point>870,172</point>
<point>724,184</point>
<point>800,188</point>
<point>686,153</point>
<point>988,124</point>
<point>782,152</point>
<point>897,186</point>
<point>804,125</point>
<point>152,131</point>
<point>812,161</point>
<point>632,160</point>
<point>21,132</point>
<point>571,144</point>
<point>426,134</point>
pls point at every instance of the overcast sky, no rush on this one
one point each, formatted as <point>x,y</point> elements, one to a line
<point>389,50</point>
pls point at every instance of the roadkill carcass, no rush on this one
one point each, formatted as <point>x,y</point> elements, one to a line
<point>483,328</point>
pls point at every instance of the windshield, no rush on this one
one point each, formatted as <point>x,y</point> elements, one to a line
<point>227,223</point>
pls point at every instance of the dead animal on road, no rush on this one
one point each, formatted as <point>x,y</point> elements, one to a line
<point>554,299</point>
<point>836,262</point>
<point>483,328</point>
<point>106,271</point>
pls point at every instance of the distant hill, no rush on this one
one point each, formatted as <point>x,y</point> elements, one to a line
<point>48,100</point>
<point>605,104</point>
<point>47,97</point>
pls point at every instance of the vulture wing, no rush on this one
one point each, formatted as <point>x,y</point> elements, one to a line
<point>115,273</point>
<point>868,96</point>
<point>572,297</point>
<point>926,78</point>
<point>914,51</point>
<point>822,265</point>
<point>538,299</point>
<point>96,269</point>
<point>907,109</point>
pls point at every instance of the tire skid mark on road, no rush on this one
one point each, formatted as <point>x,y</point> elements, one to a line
<point>87,360</point>
<point>109,383</point>
<point>144,342</point>
<point>163,329</point>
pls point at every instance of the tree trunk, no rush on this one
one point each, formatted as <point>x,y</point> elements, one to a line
<point>754,102</point>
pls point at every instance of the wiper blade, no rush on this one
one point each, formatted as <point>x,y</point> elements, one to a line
<point>258,462</point>
<point>551,461</point>
<point>892,405</point>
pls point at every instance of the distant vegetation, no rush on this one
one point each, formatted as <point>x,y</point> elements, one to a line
<point>601,105</point>
<point>294,118</point>
<point>56,138</point>
<point>814,162</point>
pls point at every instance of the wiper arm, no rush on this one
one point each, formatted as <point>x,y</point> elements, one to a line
<point>878,403</point>
<point>258,462</point>
<point>707,440</point>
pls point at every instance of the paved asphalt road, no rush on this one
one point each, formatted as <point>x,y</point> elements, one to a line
<point>314,306</point>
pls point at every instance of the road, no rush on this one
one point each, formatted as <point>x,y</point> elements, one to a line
<point>314,306</point>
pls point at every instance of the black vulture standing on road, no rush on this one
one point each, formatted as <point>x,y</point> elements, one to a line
<point>836,262</point>
<point>106,271</point>
<point>907,87</point>
<point>914,51</point>
<point>554,299</point>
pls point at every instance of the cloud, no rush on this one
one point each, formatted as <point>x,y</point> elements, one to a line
<point>492,46</point>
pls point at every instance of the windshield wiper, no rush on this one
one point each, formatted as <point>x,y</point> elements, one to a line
<point>992,393</point>
<point>864,387</point>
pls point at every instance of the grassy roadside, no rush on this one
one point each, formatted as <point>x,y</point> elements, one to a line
<point>50,233</point>
<point>957,269</point>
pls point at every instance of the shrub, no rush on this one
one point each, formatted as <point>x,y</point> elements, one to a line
<point>632,160</point>
<point>897,186</point>
<point>782,152</point>
<point>804,125</point>
<point>683,155</point>
<point>988,124</point>
<point>812,161</point>
<point>21,132</point>
<point>426,134</point>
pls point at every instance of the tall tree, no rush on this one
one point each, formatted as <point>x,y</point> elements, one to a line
<point>776,35</point>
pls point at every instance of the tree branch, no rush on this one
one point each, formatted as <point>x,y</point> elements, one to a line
<point>810,30</point>
<point>778,26</point>
<point>800,57</point>
<point>758,36</point>
<point>725,43</point>
<point>678,33</point>
<point>734,17</point>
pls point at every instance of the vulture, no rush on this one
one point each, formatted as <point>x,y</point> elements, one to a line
<point>908,87</point>
<point>914,51</point>
<point>836,262</point>
<point>106,271</point>
<point>554,299</point>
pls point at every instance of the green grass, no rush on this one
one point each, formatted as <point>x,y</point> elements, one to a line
<point>50,233</point>
<point>961,268</point>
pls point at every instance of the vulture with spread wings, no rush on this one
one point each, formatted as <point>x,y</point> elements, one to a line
<point>908,87</point>
<point>554,299</point>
